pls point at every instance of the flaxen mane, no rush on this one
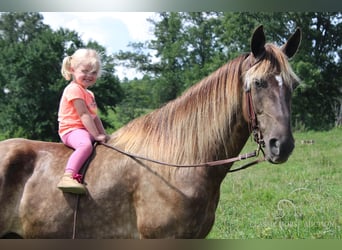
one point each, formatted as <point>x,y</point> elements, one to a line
<point>181,127</point>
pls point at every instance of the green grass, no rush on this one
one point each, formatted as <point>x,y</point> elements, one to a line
<point>301,198</point>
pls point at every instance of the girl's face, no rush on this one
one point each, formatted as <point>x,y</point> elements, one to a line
<point>85,75</point>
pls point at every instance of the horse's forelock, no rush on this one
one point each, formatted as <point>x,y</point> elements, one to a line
<point>274,62</point>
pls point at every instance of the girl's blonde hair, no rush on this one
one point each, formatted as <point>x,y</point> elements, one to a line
<point>81,56</point>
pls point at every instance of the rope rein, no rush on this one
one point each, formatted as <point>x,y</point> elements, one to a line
<point>253,128</point>
<point>206,164</point>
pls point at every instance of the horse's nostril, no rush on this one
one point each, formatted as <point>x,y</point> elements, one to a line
<point>275,146</point>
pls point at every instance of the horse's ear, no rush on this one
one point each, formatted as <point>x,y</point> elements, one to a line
<point>258,42</point>
<point>291,46</point>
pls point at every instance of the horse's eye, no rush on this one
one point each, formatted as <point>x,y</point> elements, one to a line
<point>260,84</point>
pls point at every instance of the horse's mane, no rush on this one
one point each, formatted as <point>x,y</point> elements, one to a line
<point>190,124</point>
<point>196,127</point>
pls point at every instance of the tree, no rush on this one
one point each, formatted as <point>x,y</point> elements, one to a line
<point>171,49</point>
<point>137,99</point>
<point>29,66</point>
<point>185,45</point>
<point>318,63</point>
<point>204,51</point>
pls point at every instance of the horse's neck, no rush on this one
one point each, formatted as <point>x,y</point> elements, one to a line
<point>186,132</point>
<point>205,124</point>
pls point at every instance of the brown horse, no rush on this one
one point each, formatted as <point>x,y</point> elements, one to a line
<point>132,198</point>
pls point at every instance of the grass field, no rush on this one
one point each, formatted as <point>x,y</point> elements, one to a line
<point>301,198</point>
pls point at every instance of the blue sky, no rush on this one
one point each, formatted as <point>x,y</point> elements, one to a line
<point>113,30</point>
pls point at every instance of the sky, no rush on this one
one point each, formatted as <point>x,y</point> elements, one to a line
<point>113,30</point>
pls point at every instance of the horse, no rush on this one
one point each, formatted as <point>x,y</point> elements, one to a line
<point>129,197</point>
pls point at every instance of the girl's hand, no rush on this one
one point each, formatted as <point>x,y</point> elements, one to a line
<point>102,138</point>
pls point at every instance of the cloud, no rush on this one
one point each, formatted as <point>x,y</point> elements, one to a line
<point>114,30</point>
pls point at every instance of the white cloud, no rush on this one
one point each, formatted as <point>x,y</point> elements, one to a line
<point>113,30</point>
<point>136,23</point>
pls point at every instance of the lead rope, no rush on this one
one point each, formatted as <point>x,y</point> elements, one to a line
<point>206,164</point>
<point>78,196</point>
<point>253,128</point>
<point>75,216</point>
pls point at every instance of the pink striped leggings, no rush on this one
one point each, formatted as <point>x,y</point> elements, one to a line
<point>82,141</point>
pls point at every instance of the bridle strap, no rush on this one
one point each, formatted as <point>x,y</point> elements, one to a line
<point>253,121</point>
<point>251,113</point>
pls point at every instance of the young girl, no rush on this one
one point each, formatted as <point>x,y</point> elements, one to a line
<point>79,124</point>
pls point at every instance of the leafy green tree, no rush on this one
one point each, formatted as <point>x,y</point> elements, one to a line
<point>204,50</point>
<point>171,49</point>
<point>318,63</point>
<point>137,99</point>
<point>29,65</point>
<point>184,46</point>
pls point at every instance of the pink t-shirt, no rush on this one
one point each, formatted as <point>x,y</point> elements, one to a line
<point>68,117</point>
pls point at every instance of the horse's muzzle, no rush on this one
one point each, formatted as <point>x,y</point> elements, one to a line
<point>278,150</point>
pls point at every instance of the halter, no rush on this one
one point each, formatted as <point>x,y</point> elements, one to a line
<point>253,121</point>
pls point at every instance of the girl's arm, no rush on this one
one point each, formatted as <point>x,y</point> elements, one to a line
<point>88,120</point>
<point>100,127</point>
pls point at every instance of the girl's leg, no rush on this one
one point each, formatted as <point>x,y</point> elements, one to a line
<point>82,142</point>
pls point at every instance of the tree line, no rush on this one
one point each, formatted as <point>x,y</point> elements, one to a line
<point>186,47</point>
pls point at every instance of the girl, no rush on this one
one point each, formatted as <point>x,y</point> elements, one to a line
<point>79,124</point>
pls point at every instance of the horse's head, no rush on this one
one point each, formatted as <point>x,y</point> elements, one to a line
<point>269,81</point>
